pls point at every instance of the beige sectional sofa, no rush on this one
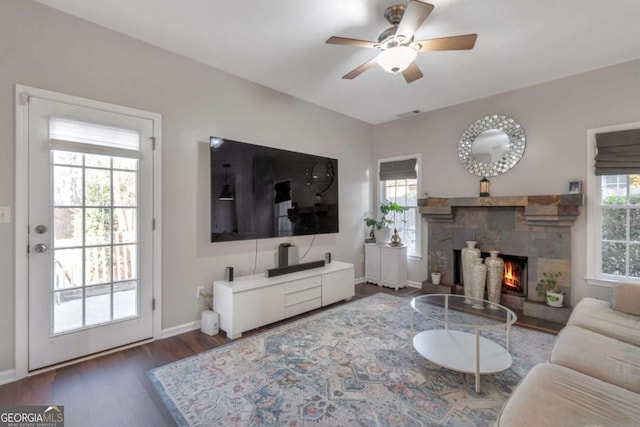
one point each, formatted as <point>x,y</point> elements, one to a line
<point>593,374</point>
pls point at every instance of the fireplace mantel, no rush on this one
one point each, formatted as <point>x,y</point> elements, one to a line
<point>554,209</point>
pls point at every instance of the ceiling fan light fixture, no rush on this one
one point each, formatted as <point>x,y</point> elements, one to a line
<point>396,59</point>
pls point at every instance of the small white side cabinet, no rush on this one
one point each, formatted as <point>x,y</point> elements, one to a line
<point>372,263</point>
<point>253,301</point>
<point>385,265</point>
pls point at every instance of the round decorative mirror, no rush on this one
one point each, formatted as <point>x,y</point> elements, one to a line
<point>320,176</point>
<point>492,145</point>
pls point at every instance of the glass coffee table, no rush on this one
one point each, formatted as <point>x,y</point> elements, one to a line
<point>460,350</point>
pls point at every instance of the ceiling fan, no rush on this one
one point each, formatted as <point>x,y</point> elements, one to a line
<point>397,48</point>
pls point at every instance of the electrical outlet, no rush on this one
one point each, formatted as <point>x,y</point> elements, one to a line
<point>199,291</point>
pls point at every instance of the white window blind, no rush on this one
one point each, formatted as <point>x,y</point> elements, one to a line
<point>73,135</point>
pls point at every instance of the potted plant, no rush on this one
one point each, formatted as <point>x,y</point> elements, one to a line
<point>209,318</point>
<point>380,227</point>
<point>548,287</point>
<point>437,261</point>
<point>436,273</point>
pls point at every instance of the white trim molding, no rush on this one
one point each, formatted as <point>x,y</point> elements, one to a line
<point>180,329</point>
<point>412,284</point>
<point>22,95</point>
<point>7,376</point>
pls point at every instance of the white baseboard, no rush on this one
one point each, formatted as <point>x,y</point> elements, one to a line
<point>180,329</point>
<point>359,280</point>
<point>411,284</point>
<point>417,285</point>
<point>7,376</point>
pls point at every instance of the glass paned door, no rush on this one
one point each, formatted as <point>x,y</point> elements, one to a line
<point>95,267</point>
<point>91,235</point>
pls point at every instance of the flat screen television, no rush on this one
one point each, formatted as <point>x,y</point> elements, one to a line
<point>261,192</point>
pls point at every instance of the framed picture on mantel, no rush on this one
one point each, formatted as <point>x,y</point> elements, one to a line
<point>574,187</point>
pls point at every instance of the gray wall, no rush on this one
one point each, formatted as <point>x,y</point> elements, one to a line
<point>555,117</point>
<point>44,48</point>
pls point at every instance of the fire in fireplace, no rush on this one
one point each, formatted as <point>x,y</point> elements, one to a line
<point>514,278</point>
<point>515,273</point>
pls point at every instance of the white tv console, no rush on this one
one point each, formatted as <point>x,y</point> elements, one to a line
<point>253,301</point>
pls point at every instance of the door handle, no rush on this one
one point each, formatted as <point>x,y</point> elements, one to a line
<point>40,248</point>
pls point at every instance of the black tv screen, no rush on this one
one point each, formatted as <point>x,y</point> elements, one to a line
<point>260,192</point>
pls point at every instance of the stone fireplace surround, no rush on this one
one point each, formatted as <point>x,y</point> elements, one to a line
<point>537,227</point>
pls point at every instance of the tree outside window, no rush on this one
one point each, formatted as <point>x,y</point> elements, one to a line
<point>620,237</point>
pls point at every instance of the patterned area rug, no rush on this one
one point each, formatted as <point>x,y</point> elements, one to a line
<point>347,366</point>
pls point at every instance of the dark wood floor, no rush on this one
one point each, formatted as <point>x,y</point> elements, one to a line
<point>114,389</point>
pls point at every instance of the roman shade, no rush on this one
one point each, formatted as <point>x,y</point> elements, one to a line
<point>618,153</point>
<point>72,135</point>
<point>399,169</point>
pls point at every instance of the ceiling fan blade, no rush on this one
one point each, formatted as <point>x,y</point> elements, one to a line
<point>350,42</point>
<point>413,17</point>
<point>464,42</point>
<point>359,70</point>
<point>412,73</point>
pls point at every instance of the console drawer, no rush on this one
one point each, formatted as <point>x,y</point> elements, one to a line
<point>302,284</point>
<point>303,306</point>
<point>302,295</point>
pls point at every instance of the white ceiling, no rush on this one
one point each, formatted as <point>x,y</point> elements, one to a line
<point>280,44</point>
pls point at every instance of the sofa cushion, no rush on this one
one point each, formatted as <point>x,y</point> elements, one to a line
<point>598,356</point>
<point>552,395</point>
<point>598,316</point>
<point>626,298</point>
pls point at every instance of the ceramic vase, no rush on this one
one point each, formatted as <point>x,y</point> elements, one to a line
<point>495,273</point>
<point>383,236</point>
<point>478,280</point>
<point>469,255</point>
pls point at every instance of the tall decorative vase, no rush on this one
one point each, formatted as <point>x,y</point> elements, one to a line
<point>478,279</point>
<point>469,255</point>
<point>495,273</point>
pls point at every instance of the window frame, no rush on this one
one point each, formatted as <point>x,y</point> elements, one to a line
<point>594,275</point>
<point>417,255</point>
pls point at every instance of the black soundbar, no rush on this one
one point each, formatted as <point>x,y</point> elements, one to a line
<point>293,268</point>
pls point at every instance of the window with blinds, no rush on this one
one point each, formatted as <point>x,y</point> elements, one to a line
<point>399,183</point>
<point>615,226</point>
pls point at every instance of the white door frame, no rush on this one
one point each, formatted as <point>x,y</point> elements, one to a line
<point>22,205</point>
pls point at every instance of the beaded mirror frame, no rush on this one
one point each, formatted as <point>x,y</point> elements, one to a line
<point>510,155</point>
